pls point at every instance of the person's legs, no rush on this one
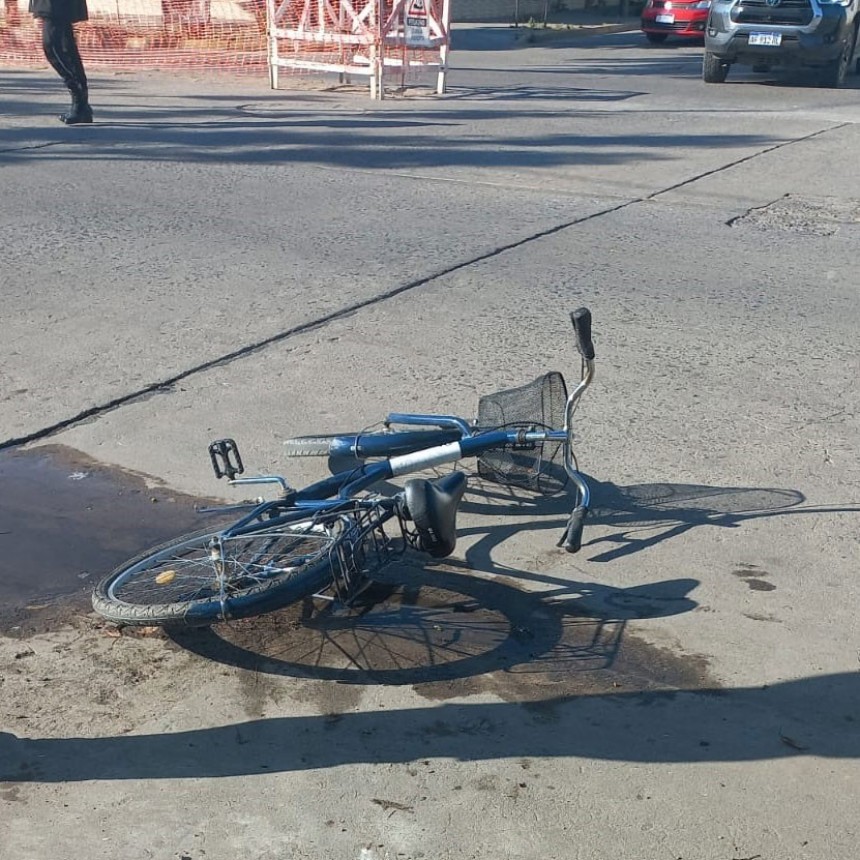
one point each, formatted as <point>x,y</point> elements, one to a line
<point>61,51</point>
<point>52,44</point>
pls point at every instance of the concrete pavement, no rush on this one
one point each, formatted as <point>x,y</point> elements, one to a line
<point>224,260</point>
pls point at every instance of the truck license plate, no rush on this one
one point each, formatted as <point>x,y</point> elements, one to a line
<point>772,40</point>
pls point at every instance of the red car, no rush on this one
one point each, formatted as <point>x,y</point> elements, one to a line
<point>663,18</point>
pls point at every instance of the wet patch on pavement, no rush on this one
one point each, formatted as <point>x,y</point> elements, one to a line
<point>448,635</point>
<point>754,577</point>
<point>66,521</point>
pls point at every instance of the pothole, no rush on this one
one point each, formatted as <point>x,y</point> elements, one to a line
<point>816,216</point>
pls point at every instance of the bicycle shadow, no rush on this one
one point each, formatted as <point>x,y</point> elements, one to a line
<point>640,516</point>
<point>470,621</point>
<point>424,625</point>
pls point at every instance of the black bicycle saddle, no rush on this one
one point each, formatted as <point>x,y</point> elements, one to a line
<point>432,506</point>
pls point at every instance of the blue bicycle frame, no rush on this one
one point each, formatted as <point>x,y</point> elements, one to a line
<point>456,440</point>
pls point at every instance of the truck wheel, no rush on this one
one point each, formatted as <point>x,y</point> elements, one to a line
<point>833,75</point>
<point>714,70</point>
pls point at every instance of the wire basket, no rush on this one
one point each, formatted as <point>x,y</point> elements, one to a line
<point>538,405</point>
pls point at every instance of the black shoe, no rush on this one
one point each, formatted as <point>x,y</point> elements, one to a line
<point>78,114</point>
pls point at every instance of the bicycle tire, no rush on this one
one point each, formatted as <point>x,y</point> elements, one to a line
<point>312,446</point>
<point>393,442</point>
<point>188,591</point>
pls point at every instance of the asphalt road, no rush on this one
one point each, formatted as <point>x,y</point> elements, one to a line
<point>212,258</point>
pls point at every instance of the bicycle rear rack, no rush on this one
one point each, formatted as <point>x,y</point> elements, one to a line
<point>360,551</point>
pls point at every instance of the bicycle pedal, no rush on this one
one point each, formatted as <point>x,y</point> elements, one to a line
<point>226,460</point>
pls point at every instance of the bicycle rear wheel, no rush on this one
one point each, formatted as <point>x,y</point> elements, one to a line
<point>205,577</point>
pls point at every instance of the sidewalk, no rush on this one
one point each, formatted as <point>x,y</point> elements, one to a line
<point>561,25</point>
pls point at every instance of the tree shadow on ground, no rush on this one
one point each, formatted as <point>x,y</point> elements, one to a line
<point>816,716</point>
<point>264,132</point>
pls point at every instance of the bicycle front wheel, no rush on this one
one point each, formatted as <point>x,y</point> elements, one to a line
<point>206,576</point>
<point>313,446</point>
<point>362,446</point>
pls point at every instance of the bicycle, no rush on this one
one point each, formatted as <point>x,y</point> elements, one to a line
<point>328,539</point>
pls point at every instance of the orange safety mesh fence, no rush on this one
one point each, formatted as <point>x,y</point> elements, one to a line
<point>152,34</point>
<point>323,36</point>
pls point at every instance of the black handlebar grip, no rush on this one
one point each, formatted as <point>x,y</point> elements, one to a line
<point>571,540</point>
<point>581,319</point>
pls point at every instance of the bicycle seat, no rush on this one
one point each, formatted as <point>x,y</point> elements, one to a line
<point>432,507</point>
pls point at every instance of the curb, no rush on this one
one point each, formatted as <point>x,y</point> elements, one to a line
<point>537,36</point>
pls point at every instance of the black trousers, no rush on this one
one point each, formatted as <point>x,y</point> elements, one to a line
<point>61,50</point>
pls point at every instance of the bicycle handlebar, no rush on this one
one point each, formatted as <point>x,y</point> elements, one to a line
<point>581,319</point>
<point>470,445</point>
<point>571,540</point>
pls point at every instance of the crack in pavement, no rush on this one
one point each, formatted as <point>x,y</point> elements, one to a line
<point>26,147</point>
<point>166,384</point>
<point>746,158</point>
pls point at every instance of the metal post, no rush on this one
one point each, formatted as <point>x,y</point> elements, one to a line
<point>273,44</point>
<point>444,48</point>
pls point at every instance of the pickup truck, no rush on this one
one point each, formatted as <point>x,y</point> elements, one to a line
<point>818,34</point>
